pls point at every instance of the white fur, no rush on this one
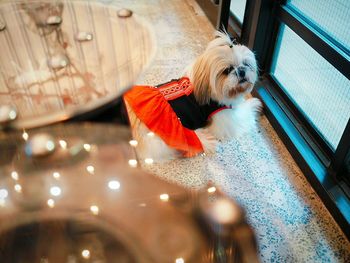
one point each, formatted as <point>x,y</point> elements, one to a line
<point>210,81</point>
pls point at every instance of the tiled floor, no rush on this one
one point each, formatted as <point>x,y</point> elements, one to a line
<point>291,223</point>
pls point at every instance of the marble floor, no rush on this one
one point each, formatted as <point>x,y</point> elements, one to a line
<point>291,222</point>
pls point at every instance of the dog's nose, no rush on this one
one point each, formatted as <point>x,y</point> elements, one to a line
<point>241,72</point>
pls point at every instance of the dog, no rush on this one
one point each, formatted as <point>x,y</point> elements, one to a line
<point>189,116</point>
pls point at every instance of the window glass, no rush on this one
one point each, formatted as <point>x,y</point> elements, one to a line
<point>332,16</point>
<point>318,89</point>
<point>237,8</point>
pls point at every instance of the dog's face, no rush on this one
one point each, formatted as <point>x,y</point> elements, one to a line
<point>224,71</point>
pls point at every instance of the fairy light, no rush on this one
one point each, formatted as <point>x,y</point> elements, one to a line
<point>179,260</point>
<point>164,197</point>
<point>3,194</point>
<point>63,144</point>
<point>212,189</point>
<point>94,209</point>
<point>133,143</point>
<point>25,136</point>
<point>114,185</point>
<point>85,253</point>
<point>150,134</point>
<point>90,169</point>
<point>14,175</point>
<point>133,163</point>
<point>149,161</point>
<point>18,188</point>
<point>51,203</point>
<point>55,191</point>
<point>87,147</point>
<point>56,175</point>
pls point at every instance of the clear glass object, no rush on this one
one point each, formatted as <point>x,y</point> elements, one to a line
<point>318,89</point>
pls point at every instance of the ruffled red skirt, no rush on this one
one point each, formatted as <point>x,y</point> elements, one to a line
<point>152,108</point>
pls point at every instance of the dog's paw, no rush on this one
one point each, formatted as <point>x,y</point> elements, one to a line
<point>254,104</point>
<point>209,142</point>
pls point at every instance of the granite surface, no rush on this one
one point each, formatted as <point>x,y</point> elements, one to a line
<point>291,222</point>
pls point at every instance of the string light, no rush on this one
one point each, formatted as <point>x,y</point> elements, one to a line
<point>63,144</point>
<point>25,136</point>
<point>133,143</point>
<point>94,209</point>
<point>114,185</point>
<point>164,197</point>
<point>3,193</point>
<point>51,203</point>
<point>85,253</point>
<point>212,189</point>
<point>90,169</point>
<point>55,191</point>
<point>133,163</point>
<point>56,175</point>
<point>14,175</point>
<point>149,161</point>
<point>18,188</point>
<point>87,147</point>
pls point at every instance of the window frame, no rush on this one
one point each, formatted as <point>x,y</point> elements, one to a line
<point>323,167</point>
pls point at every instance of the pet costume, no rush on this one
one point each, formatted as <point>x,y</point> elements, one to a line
<point>171,111</point>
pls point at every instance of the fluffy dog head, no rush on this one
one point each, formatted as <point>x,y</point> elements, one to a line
<point>224,72</point>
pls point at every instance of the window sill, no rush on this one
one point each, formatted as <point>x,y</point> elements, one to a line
<point>329,190</point>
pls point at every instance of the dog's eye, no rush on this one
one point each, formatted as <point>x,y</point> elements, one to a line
<point>247,64</point>
<point>228,70</point>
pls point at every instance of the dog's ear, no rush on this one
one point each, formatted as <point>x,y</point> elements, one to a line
<point>201,80</point>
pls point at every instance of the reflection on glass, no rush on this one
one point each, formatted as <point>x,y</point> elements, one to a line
<point>133,143</point>
<point>63,144</point>
<point>18,188</point>
<point>3,193</point>
<point>55,191</point>
<point>51,203</point>
<point>149,161</point>
<point>87,147</point>
<point>319,89</point>
<point>133,163</point>
<point>211,189</point>
<point>164,197</point>
<point>85,253</point>
<point>90,169</point>
<point>62,241</point>
<point>333,17</point>
<point>14,175</point>
<point>56,175</point>
<point>150,134</point>
<point>94,209</point>
<point>25,136</point>
<point>237,7</point>
<point>114,185</point>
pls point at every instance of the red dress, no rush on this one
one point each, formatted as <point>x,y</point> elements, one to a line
<point>152,106</point>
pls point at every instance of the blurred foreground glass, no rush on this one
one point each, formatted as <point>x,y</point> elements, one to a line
<point>320,91</point>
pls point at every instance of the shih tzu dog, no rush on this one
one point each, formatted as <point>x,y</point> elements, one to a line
<point>188,116</point>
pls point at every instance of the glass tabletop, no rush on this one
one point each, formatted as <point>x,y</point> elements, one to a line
<point>60,59</point>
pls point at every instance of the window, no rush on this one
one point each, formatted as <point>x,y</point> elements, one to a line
<point>237,8</point>
<point>303,52</point>
<point>331,17</point>
<point>320,91</point>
